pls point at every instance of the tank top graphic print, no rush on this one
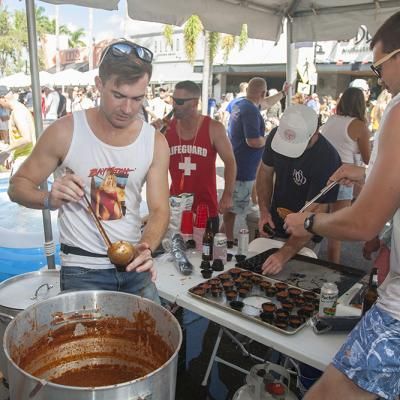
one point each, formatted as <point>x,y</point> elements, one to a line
<point>113,178</point>
<point>192,166</point>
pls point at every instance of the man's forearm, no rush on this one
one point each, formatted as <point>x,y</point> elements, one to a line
<point>292,246</point>
<point>230,177</point>
<point>19,143</point>
<point>264,194</point>
<point>23,192</point>
<point>268,102</point>
<point>155,228</point>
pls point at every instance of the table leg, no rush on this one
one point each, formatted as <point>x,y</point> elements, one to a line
<point>212,358</point>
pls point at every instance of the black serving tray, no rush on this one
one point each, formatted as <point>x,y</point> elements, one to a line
<point>307,273</point>
<point>253,301</point>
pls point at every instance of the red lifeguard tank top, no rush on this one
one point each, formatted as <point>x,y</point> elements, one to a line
<point>192,166</point>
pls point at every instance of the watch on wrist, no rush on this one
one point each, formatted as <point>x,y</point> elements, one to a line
<point>308,223</point>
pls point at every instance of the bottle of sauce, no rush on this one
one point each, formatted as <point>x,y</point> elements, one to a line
<point>166,120</point>
<point>208,239</point>
<point>371,294</point>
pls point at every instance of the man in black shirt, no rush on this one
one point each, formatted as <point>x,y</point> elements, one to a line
<point>296,164</point>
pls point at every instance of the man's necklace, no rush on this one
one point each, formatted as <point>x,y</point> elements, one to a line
<point>186,164</point>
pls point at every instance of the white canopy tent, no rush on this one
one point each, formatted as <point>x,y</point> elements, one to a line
<point>46,78</point>
<point>89,76</point>
<point>307,20</point>
<point>21,80</point>
<point>16,80</point>
<point>311,20</point>
<point>69,77</point>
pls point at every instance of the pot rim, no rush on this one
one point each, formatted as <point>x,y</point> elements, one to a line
<point>43,382</point>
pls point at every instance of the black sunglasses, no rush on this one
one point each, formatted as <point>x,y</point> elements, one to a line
<point>377,70</point>
<point>122,49</point>
<point>181,102</point>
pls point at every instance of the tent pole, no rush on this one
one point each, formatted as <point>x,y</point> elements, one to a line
<point>206,74</point>
<point>290,75</point>
<point>37,110</point>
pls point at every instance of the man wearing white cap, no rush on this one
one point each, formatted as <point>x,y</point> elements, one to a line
<point>296,164</point>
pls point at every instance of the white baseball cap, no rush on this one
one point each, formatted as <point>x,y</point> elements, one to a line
<point>360,84</point>
<point>297,125</point>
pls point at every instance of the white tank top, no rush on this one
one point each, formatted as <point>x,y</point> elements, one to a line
<point>113,177</point>
<point>389,291</point>
<point>336,131</point>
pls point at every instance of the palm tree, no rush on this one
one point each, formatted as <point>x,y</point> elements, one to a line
<point>75,39</point>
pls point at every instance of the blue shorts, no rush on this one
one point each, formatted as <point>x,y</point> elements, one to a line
<point>241,197</point>
<point>139,283</point>
<point>371,355</point>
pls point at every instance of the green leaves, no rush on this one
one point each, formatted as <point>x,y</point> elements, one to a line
<point>75,39</point>
<point>168,34</point>
<point>191,32</point>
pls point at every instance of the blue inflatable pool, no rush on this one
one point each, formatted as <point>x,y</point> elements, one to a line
<point>21,236</point>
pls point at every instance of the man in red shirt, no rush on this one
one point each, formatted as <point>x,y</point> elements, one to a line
<point>194,141</point>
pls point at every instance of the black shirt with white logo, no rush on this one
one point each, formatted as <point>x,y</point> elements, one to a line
<point>298,180</point>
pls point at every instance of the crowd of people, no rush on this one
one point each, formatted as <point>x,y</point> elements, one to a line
<point>111,151</point>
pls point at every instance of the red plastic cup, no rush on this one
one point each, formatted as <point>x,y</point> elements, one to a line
<point>201,215</point>
<point>187,222</point>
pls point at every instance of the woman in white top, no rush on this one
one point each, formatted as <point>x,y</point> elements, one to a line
<point>349,134</point>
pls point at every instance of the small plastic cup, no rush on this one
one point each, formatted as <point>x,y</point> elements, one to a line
<point>187,222</point>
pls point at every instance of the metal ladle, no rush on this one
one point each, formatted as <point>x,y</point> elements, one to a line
<point>120,253</point>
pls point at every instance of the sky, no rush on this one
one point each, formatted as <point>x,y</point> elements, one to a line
<point>106,24</point>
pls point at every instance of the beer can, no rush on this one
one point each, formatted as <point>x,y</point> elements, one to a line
<point>243,241</point>
<point>328,299</point>
<point>220,247</point>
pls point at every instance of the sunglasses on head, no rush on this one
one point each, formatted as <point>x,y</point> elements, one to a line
<point>125,48</point>
<point>181,102</point>
<point>377,66</point>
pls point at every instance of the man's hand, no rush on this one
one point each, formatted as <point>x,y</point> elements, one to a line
<point>265,218</point>
<point>158,124</point>
<point>371,246</point>
<point>285,88</point>
<point>273,264</point>
<point>225,203</point>
<point>348,174</point>
<point>294,224</point>
<point>143,262</point>
<point>65,189</point>
<point>10,161</point>
<point>4,156</point>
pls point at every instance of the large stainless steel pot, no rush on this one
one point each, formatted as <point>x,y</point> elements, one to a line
<point>21,291</point>
<point>77,312</point>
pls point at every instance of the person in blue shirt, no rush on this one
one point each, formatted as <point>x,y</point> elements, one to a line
<point>246,130</point>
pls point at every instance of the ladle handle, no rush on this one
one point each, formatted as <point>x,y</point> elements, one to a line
<point>97,222</point>
<point>93,213</point>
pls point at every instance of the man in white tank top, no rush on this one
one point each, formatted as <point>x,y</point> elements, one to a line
<point>368,364</point>
<point>107,153</point>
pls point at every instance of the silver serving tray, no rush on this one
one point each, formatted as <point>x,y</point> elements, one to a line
<point>253,301</point>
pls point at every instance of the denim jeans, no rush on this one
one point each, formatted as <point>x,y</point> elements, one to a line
<point>139,283</point>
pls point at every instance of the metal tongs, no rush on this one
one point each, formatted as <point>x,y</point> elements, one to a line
<point>326,189</point>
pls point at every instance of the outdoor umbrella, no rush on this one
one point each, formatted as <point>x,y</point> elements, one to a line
<point>69,77</point>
